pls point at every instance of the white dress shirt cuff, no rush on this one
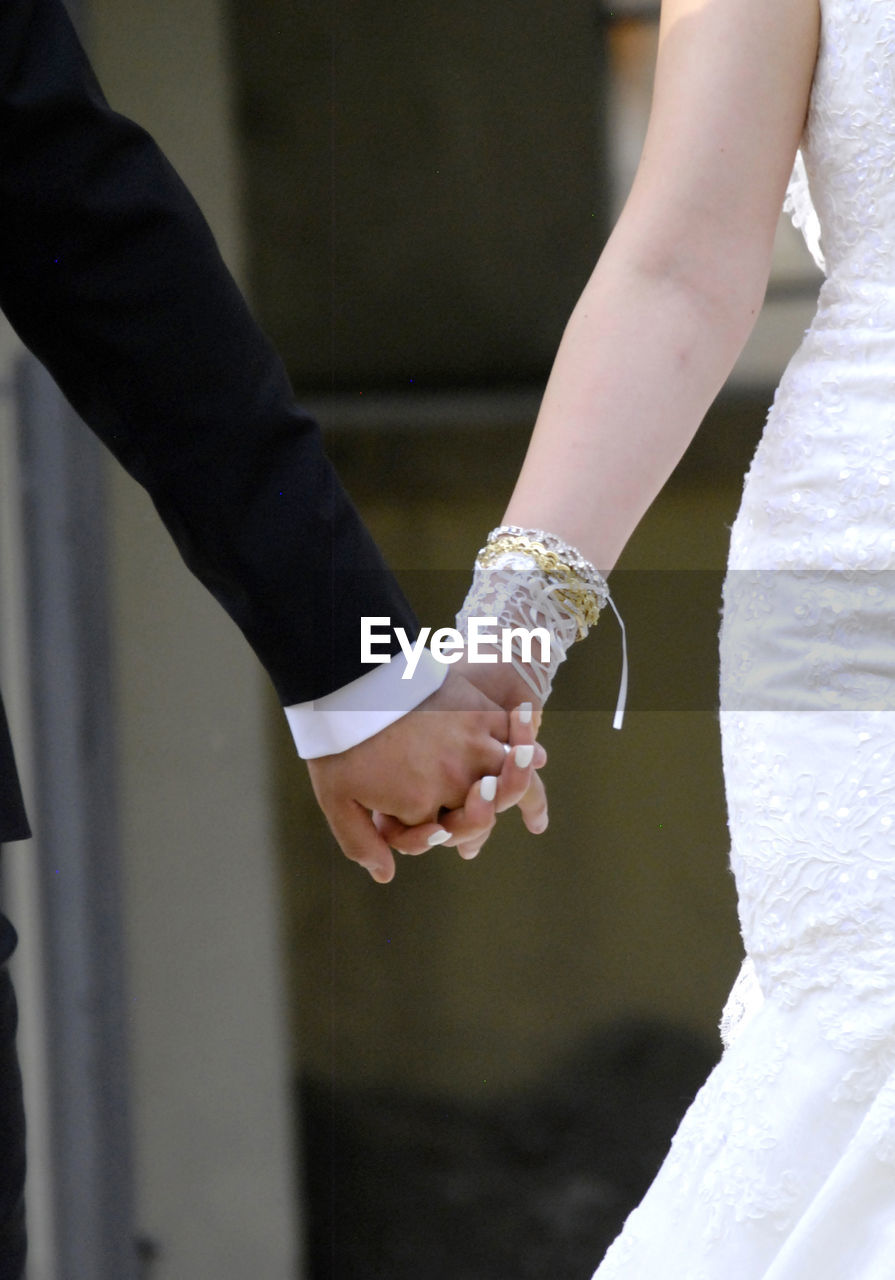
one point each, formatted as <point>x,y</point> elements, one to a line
<point>369,704</point>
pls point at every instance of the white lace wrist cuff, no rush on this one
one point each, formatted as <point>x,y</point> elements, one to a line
<point>536,585</point>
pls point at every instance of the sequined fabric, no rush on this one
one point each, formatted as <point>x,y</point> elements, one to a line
<point>784,1167</point>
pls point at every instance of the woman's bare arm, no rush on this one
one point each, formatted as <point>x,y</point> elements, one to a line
<point>681,280</point>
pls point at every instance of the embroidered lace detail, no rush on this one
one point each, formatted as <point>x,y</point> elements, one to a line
<point>730,1130</point>
<point>521,598</point>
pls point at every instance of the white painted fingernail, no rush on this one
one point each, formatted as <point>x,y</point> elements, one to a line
<point>438,837</point>
<point>525,755</point>
<point>525,713</point>
<point>469,854</point>
<point>488,788</point>
<point>506,746</point>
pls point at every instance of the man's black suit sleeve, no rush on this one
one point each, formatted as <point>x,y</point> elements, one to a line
<point>110,275</point>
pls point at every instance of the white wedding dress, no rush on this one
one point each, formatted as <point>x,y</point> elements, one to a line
<point>784,1166</point>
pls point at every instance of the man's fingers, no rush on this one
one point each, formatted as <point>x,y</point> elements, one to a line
<point>353,827</point>
<point>466,828</point>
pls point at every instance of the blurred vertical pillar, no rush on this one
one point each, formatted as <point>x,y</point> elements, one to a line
<point>215,1185</point>
<point>75,859</point>
<point>63,888</point>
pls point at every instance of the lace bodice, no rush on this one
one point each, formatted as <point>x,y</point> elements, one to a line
<point>821,490</point>
<point>849,142</point>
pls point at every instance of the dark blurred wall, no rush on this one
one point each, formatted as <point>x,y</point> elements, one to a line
<point>425,198</point>
<point>422,183</point>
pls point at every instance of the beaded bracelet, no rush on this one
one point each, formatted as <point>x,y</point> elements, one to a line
<point>580,585</point>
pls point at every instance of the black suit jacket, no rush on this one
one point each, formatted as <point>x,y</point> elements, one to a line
<point>110,275</point>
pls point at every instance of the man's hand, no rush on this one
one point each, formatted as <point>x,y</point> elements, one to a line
<point>425,762</point>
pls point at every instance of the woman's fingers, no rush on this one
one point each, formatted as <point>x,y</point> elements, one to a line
<point>411,840</point>
<point>469,826</point>
<point>525,755</point>
<point>533,807</point>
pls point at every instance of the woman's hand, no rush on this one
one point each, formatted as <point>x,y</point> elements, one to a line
<point>503,684</point>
